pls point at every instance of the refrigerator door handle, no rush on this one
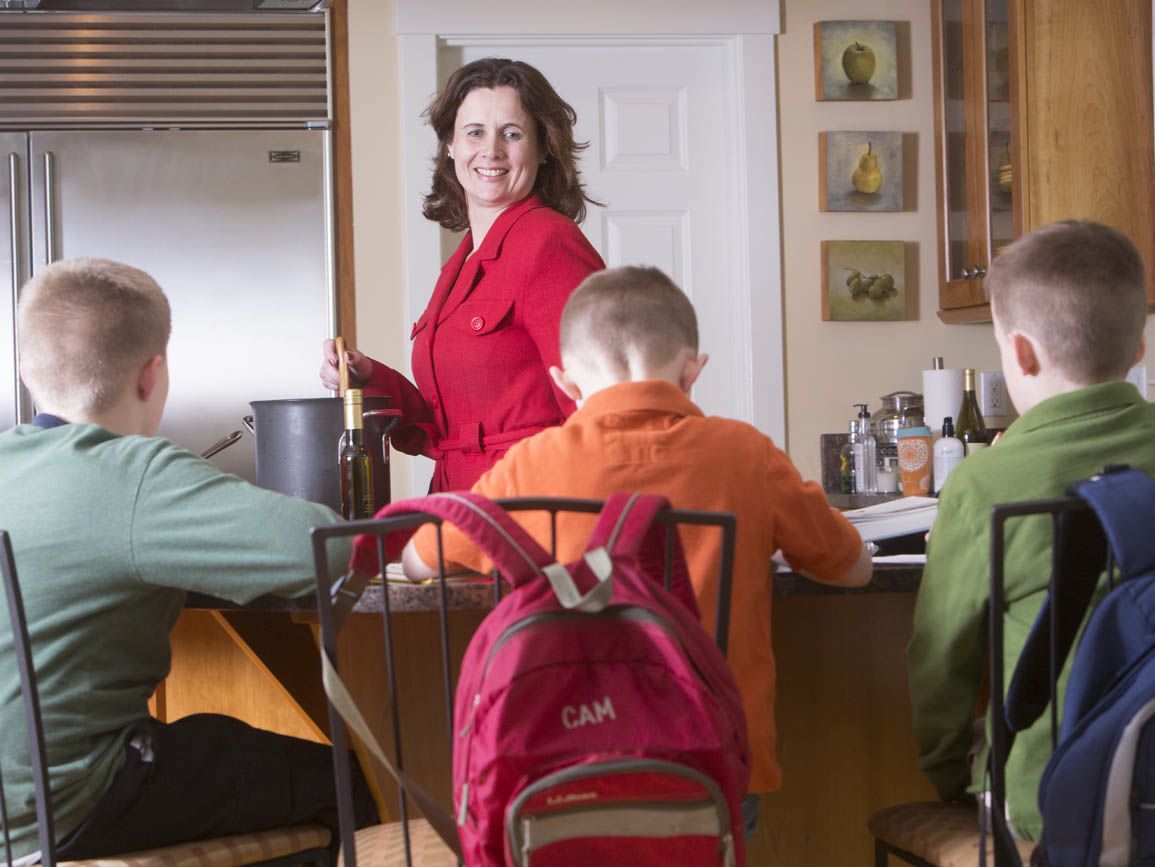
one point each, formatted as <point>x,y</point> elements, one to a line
<point>19,402</point>
<point>14,223</point>
<point>49,207</point>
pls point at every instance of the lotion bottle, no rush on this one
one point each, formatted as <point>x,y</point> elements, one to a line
<point>948,454</point>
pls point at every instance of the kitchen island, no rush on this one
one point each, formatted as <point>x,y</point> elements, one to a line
<point>843,711</point>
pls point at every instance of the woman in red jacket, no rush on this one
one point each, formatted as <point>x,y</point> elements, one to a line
<point>506,170</point>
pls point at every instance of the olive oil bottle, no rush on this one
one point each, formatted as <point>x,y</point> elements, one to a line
<point>970,428</point>
<point>356,466</point>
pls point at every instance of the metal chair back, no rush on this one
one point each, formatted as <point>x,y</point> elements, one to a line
<point>331,622</point>
<point>1069,538</point>
<point>33,723</point>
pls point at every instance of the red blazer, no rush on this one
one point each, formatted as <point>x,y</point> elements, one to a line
<point>483,347</point>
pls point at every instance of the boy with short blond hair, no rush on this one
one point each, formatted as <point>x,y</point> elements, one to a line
<point>629,346</point>
<point>110,526</point>
<point>1069,302</point>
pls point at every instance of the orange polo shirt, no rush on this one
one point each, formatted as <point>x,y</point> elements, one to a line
<point>650,437</point>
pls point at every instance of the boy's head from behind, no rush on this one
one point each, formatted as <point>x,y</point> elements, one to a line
<point>1069,302</point>
<point>625,325</point>
<point>88,329</point>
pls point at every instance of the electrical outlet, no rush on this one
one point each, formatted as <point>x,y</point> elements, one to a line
<point>992,394</point>
<point>1137,376</point>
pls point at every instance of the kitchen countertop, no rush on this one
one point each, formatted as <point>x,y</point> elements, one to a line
<point>477,595</point>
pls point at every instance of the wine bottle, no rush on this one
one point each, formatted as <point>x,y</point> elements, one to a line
<point>356,466</point>
<point>970,428</point>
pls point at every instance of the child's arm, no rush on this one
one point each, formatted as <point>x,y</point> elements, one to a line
<point>858,575</point>
<point>416,569</point>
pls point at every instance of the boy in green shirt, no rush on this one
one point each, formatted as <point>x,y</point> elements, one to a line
<point>1069,303</point>
<point>111,525</point>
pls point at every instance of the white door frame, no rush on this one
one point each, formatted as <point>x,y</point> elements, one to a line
<point>752,57</point>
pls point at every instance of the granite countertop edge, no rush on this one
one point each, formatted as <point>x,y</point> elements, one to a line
<point>478,596</point>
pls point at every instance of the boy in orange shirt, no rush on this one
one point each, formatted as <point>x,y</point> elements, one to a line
<point>629,346</point>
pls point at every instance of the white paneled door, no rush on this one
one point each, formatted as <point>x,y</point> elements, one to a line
<point>664,157</point>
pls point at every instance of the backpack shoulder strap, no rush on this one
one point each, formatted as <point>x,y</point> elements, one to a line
<point>513,551</point>
<point>1124,500</point>
<point>627,528</point>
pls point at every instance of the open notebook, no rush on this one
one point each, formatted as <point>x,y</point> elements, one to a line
<point>899,517</point>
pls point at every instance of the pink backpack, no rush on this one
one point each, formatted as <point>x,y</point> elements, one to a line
<point>596,721</point>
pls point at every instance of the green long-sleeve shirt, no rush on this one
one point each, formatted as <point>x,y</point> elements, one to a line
<point>1062,440</point>
<point>109,533</point>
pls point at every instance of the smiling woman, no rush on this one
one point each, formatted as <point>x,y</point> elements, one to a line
<point>505,170</point>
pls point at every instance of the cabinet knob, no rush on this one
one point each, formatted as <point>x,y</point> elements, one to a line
<point>979,271</point>
<point>967,273</point>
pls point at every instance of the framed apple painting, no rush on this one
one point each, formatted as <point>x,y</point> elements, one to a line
<point>855,60</point>
<point>865,171</point>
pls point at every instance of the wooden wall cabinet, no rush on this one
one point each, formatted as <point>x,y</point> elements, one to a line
<point>1043,112</point>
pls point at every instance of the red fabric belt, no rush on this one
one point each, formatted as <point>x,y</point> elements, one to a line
<point>471,440</point>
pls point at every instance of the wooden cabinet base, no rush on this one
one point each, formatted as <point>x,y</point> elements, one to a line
<point>843,712</point>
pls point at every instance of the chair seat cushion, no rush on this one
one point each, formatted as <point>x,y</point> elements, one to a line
<point>221,851</point>
<point>946,835</point>
<point>383,846</point>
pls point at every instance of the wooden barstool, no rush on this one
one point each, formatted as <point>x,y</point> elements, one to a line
<point>932,834</point>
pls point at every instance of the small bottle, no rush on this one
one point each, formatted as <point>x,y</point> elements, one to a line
<point>948,454</point>
<point>971,429</point>
<point>846,461</point>
<point>865,455</point>
<point>356,466</point>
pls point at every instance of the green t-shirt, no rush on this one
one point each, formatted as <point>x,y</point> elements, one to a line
<point>1063,440</point>
<point>109,532</point>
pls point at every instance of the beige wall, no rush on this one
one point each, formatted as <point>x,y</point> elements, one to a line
<point>829,365</point>
<point>378,193</point>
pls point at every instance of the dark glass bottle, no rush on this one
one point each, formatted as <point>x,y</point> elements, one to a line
<point>356,467</point>
<point>970,428</point>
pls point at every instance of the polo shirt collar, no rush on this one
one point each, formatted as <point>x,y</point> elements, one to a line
<point>46,421</point>
<point>1072,404</point>
<point>652,395</point>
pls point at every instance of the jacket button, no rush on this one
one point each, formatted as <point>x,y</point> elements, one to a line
<point>476,323</point>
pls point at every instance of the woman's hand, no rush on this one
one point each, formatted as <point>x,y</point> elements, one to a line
<point>360,366</point>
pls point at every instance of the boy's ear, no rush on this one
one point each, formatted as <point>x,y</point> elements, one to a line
<point>564,382</point>
<point>148,376</point>
<point>1141,352</point>
<point>1026,353</point>
<point>691,370</point>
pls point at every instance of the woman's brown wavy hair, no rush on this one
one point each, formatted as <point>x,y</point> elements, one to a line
<point>558,182</point>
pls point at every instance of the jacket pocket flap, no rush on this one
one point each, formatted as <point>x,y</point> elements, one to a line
<point>481,317</point>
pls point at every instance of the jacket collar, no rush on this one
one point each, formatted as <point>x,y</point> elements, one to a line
<point>1072,404</point>
<point>652,395</point>
<point>463,271</point>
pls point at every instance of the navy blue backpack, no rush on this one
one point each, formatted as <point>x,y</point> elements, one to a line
<point>1097,794</point>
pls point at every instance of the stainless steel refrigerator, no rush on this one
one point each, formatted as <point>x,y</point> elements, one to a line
<point>233,224</point>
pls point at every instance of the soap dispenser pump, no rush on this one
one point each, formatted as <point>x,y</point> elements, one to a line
<point>865,454</point>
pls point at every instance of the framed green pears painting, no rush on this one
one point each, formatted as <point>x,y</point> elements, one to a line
<point>869,281</point>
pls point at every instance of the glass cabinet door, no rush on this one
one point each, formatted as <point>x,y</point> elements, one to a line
<point>1000,171</point>
<point>955,110</point>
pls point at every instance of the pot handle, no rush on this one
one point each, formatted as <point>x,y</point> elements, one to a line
<point>247,421</point>
<point>394,414</point>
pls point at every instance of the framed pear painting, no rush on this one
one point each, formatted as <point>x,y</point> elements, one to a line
<point>865,171</point>
<point>855,60</point>
<point>869,281</point>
